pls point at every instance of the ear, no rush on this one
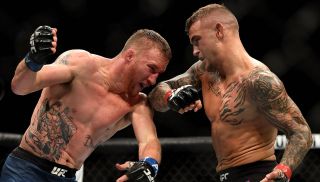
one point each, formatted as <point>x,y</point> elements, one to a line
<point>219,31</point>
<point>129,54</point>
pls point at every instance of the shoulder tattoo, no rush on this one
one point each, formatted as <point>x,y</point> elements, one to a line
<point>63,59</point>
<point>269,93</point>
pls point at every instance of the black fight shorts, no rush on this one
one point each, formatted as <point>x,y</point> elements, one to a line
<point>252,172</point>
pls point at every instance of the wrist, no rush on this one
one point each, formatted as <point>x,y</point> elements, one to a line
<point>32,65</point>
<point>153,163</point>
<point>167,95</point>
<point>285,169</point>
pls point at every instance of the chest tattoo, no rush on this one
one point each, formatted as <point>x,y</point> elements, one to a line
<point>232,98</point>
<point>233,103</point>
<point>213,82</point>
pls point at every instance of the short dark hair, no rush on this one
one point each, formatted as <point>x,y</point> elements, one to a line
<point>207,10</point>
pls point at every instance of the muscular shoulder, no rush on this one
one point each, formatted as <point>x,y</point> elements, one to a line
<point>74,57</point>
<point>141,106</point>
<point>264,86</point>
<point>143,99</point>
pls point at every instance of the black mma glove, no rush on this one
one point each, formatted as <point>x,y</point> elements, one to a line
<point>181,97</point>
<point>143,171</point>
<point>40,48</point>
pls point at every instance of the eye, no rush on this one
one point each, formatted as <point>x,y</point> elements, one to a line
<point>152,69</point>
<point>195,41</point>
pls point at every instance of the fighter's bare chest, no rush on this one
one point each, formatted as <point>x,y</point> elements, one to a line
<point>228,103</point>
<point>95,106</point>
<point>111,108</point>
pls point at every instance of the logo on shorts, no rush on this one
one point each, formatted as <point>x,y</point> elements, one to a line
<point>59,171</point>
<point>223,176</point>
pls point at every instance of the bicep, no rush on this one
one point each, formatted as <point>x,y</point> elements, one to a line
<point>59,71</point>
<point>273,102</point>
<point>53,74</point>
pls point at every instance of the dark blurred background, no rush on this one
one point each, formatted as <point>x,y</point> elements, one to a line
<point>283,35</point>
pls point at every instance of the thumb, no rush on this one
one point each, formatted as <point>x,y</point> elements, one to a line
<point>122,178</point>
<point>123,166</point>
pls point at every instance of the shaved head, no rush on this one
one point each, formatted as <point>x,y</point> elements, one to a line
<point>215,13</point>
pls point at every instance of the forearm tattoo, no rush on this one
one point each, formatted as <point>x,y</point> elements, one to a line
<point>53,131</point>
<point>192,77</point>
<point>156,96</point>
<point>268,92</point>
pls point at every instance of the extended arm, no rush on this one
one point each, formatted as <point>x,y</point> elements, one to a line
<point>146,168</point>
<point>269,95</point>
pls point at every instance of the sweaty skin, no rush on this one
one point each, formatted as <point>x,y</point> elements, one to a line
<point>71,119</point>
<point>244,112</point>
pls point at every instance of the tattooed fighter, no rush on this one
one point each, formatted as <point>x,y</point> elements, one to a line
<point>245,102</point>
<point>86,99</point>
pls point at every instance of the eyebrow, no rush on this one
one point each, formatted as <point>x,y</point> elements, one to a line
<point>158,69</point>
<point>193,39</point>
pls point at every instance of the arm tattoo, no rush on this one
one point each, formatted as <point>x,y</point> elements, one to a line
<point>156,97</point>
<point>53,131</point>
<point>268,93</point>
<point>191,77</point>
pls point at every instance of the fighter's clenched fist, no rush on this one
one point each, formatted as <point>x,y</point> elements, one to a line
<point>43,42</point>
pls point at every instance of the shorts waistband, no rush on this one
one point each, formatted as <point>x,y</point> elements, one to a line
<point>44,164</point>
<point>235,172</point>
<point>253,165</point>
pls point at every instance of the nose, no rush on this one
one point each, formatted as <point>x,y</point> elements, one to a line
<point>196,51</point>
<point>153,78</point>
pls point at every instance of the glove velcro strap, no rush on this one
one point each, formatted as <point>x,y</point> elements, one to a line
<point>31,64</point>
<point>153,163</point>
<point>285,169</point>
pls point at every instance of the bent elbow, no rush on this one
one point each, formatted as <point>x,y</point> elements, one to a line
<point>15,88</point>
<point>309,139</point>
